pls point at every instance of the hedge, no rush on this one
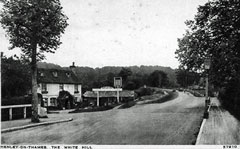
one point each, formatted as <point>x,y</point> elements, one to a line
<point>17,113</point>
<point>230,97</point>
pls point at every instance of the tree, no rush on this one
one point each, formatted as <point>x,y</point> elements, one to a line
<point>215,33</point>
<point>16,77</point>
<point>110,79</point>
<point>34,25</point>
<point>186,78</point>
<point>158,78</point>
<point>124,73</point>
<point>130,85</point>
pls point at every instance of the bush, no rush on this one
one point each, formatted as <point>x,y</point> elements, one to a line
<point>230,97</point>
<point>196,93</point>
<point>144,91</point>
<point>16,101</point>
<point>16,77</point>
<point>21,100</point>
<point>17,113</point>
<point>127,105</point>
<point>171,95</point>
<point>159,92</point>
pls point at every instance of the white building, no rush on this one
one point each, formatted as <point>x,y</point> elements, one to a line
<point>51,81</point>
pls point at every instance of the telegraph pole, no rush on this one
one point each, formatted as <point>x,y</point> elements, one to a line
<point>207,63</point>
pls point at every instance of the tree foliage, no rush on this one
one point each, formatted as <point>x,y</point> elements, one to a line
<point>124,73</point>
<point>99,77</point>
<point>31,22</point>
<point>15,77</point>
<point>34,26</point>
<point>186,78</point>
<point>215,33</point>
<point>158,79</point>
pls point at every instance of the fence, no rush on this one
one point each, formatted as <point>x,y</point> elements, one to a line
<point>16,106</point>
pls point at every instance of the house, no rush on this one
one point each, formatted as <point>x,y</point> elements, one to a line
<point>107,97</point>
<point>52,81</point>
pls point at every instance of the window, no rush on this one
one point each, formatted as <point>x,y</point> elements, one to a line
<point>76,88</point>
<point>61,87</point>
<point>55,74</point>
<point>41,74</point>
<point>52,101</point>
<point>45,100</point>
<point>68,74</point>
<point>44,87</point>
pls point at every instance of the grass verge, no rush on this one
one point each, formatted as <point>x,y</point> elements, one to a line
<point>127,105</point>
<point>171,95</point>
<point>196,132</point>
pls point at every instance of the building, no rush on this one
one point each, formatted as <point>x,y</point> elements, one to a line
<point>107,96</point>
<point>52,81</point>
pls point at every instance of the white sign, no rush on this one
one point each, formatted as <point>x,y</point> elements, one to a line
<point>117,82</point>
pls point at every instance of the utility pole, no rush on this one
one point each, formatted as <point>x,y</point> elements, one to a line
<point>207,63</point>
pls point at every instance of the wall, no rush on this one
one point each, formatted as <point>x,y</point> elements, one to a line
<point>53,91</point>
<point>69,88</point>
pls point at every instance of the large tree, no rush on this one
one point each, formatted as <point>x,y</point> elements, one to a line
<point>124,73</point>
<point>215,33</point>
<point>158,78</point>
<point>186,78</point>
<point>16,77</point>
<point>34,26</point>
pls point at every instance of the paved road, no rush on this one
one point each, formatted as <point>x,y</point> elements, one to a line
<point>173,122</point>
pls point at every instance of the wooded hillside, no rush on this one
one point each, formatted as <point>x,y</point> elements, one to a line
<point>99,77</point>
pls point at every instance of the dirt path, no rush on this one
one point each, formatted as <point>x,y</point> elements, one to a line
<point>173,122</point>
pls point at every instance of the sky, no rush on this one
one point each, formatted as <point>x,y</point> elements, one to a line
<point>119,32</point>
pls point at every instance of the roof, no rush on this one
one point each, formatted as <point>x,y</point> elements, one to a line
<point>124,93</point>
<point>58,76</point>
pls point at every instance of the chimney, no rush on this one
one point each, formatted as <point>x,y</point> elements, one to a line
<point>73,68</point>
<point>73,65</point>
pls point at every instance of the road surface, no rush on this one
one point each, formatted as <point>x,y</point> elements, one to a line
<point>173,122</point>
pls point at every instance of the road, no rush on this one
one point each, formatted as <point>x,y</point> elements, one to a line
<point>173,122</point>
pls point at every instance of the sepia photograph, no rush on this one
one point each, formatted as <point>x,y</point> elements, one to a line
<point>84,74</point>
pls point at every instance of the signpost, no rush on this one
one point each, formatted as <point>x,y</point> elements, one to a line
<point>117,82</point>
